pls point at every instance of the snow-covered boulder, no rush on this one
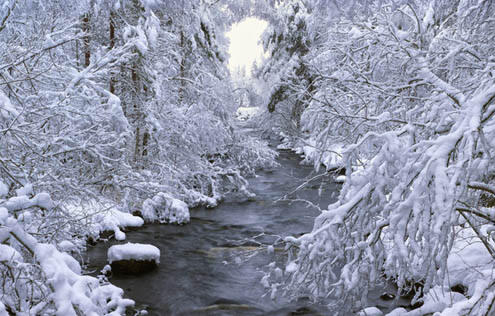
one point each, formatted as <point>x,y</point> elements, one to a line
<point>165,209</point>
<point>370,311</point>
<point>133,258</point>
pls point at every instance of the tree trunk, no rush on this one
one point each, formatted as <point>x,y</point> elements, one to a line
<point>182,67</point>
<point>86,40</point>
<point>112,45</point>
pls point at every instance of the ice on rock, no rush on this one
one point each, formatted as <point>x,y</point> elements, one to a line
<point>132,251</point>
<point>165,209</point>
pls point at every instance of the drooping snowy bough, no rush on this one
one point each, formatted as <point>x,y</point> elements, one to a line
<point>413,96</point>
<point>39,279</point>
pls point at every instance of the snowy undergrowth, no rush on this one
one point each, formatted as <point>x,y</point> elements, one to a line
<point>39,276</point>
<point>330,155</point>
<point>415,112</point>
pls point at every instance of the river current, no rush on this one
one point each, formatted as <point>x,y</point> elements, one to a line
<point>214,264</point>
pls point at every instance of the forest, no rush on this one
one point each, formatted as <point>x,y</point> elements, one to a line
<point>117,114</point>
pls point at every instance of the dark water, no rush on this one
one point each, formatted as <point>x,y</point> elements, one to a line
<point>213,265</point>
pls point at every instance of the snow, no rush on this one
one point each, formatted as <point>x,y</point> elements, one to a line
<point>469,260</point>
<point>3,311</point>
<point>132,251</point>
<point>4,189</point>
<point>165,209</point>
<point>25,190</point>
<point>43,200</point>
<point>340,179</point>
<point>103,217</point>
<point>291,267</point>
<point>428,18</point>
<point>330,156</point>
<point>66,245</point>
<point>7,110</point>
<point>71,289</point>
<point>114,220</point>
<point>370,311</point>
<point>16,203</point>
<point>8,253</point>
<point>4,214</point>
<point>246,113</point>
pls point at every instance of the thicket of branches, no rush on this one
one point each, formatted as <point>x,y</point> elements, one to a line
<point>409,89</point>
<point>109,102</point>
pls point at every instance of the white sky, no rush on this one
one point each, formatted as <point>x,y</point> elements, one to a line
<point>244,47</point>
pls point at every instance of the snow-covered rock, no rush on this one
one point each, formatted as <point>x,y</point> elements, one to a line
<point>165,209</point>
<point>132,251</point>
<point>370,311</point>
<point>133,258</point>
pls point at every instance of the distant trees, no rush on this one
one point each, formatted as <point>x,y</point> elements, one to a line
<point>288,42</point>
<point>409,87</point>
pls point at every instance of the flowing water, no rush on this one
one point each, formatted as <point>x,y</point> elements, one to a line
<point>213,265</point>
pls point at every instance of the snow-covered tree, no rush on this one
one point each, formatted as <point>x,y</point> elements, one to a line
<point>409,88</point>
<point>107,101</point>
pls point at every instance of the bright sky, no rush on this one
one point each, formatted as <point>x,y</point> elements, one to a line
<point>244,47</point>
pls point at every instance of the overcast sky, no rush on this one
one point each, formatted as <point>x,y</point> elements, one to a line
<point>244,46</point>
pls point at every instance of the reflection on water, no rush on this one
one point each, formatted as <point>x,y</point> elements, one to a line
<point>213,266</point>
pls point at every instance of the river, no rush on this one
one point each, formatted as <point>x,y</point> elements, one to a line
<point>213,265</point>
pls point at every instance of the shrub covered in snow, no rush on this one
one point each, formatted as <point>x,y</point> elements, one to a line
<point>39,279</point>
<point>408,88</point>
<point>165,209</point>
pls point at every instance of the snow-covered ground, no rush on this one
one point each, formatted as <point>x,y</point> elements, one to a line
<point>71,292</point>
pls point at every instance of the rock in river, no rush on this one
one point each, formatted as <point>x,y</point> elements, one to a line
<point>133,258</point>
